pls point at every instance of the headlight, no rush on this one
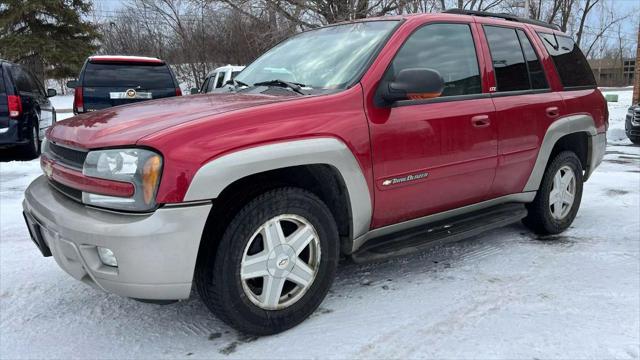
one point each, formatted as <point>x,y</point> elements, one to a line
<point>140,167</point>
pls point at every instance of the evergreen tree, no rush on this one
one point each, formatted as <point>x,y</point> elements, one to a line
<point>49,36</point>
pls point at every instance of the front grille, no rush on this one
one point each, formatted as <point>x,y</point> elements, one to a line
<point>67,156</point>
<point>68,191</point>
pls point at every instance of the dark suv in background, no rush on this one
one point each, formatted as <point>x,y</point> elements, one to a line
<point>107,81</point>
<point>25,110</point>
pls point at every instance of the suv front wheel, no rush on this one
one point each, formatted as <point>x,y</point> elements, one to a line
<point>558,199</point>
<point>274,264</point>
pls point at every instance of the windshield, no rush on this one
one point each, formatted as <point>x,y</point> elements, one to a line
<point>327,58</point>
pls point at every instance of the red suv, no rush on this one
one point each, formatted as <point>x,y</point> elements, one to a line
<point>365,139</point>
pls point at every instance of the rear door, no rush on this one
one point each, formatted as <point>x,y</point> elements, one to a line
<point>42,104</point>
<point>110,84</point>
<point>525,105</point>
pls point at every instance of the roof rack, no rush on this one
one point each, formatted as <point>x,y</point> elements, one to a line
<point>503,16</point>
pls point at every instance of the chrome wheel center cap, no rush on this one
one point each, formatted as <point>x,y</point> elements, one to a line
<point>281,261</point>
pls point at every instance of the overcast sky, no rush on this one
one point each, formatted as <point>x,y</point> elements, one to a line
<point>630,27</point>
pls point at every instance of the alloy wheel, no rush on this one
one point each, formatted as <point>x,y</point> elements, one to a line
<point>280,262</point>
<point>562,193</point>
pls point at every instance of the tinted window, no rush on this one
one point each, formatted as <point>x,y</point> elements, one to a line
<point>2,89</point>
<point>128,75</point>
<point>536,73</point>
<point>446,48</point>
<point>22,79</point>
<point>508,61</point>
<point>220,80</point>
<point>571,64</point>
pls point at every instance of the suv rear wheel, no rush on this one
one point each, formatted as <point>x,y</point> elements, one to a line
<point>32,148</point>
<point>558,199</point>
<point>274,264</point>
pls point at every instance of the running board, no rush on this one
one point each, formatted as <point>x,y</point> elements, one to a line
<point>438,233</point>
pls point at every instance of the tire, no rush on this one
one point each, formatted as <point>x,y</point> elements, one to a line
<point>238,302</point>
<point>634,139</point>
<point>544,220</point>
<point>32,148</point>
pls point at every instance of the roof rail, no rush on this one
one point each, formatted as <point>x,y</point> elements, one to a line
<point>503,16</point>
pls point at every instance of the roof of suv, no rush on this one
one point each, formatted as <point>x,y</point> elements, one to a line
<point>498,17</point>
<point>125,59</point>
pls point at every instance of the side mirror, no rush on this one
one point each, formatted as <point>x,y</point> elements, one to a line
<point>51,92</point>
<point>72,84</point>
<point>417,83</point>
<point>194,91</point>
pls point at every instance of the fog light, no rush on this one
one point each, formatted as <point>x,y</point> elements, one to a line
<point>107,256</point>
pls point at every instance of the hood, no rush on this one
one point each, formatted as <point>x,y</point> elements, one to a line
<point>125,125</point>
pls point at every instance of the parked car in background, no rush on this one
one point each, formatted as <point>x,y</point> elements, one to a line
<point>366,139</point>
<point>107,81</point>
<point>216,79</point>
<point>25,110</point>
<point>632,124</point>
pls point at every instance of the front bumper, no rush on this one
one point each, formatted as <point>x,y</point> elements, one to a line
<point>156,252</point>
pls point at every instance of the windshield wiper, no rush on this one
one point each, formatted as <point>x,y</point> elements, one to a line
<point>277,82</point>
<point>235,83</point>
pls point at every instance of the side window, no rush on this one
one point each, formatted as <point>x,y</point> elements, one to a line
<point>220,80</point>
<point>2,89</point>
<point>571,64</point>
<point>508,60</point>
<point>20,79</point>
<point>34,84</point>
<point>446,48</point>
<point>536,72</point>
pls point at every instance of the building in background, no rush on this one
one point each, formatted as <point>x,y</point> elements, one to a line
<point>613,72</point>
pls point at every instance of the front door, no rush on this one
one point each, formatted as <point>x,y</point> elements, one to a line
<point>432,155</point>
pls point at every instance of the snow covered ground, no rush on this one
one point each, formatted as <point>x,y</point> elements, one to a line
<point>506,294</point>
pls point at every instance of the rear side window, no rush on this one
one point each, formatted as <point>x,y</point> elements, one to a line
<point>23,81</point>
<point>536,72</point>
<point>508,60</point>
<point>3,91</point>
<point>128,75</point>
<point>446,48</point>
<point>572,66</point>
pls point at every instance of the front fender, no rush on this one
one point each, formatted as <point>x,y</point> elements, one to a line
<point>213,177</point>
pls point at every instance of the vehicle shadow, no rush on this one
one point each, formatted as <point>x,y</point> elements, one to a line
<point>12,154</point>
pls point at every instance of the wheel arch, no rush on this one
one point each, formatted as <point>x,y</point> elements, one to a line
<point>576,133</point>
<point>324,166</point>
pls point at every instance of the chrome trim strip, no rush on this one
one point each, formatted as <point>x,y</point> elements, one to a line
<point>559,128</point>
<point>123,95</point>
<point>186,204</point>
<point>390,229</point>
<point>212,178</point>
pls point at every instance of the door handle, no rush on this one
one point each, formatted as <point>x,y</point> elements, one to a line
<point>553,112</point>
<point>480,121</point>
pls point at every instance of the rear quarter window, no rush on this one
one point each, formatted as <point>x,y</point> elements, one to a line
<point>128,75</point>
<point>570,62</point>
<point>3,90</point>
